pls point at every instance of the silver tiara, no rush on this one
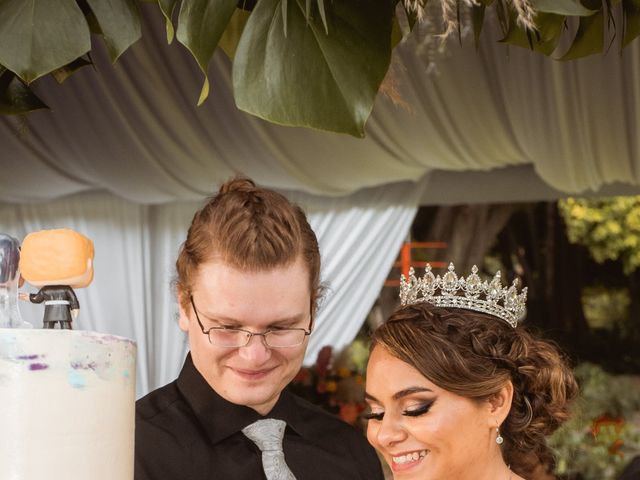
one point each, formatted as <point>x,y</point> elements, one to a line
<point>470,293</point>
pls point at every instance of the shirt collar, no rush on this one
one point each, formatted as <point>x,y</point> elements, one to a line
<point>221,418</point>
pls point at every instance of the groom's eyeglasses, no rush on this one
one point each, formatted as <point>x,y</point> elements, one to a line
<point>238,337</point>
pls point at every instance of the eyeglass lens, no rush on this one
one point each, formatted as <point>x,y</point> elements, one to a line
<point>240,338</point>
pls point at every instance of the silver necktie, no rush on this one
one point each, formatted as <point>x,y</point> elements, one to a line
<point>267,435</point>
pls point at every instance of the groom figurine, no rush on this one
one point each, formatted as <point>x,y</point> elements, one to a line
<point>247,287</point>
<point>57,261</point>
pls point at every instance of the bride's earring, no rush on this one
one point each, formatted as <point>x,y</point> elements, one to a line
<point>499,439</point>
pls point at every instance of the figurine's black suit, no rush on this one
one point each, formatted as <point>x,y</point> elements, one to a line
<point>58,300</point>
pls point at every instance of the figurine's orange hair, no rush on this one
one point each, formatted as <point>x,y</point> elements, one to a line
<point>57,257</point>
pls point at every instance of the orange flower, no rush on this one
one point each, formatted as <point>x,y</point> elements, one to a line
<point>614,448</point>
<point>605,423</point>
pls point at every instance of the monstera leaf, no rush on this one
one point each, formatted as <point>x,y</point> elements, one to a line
<point>62,73</point>
<point>200,26</point>
<point>550,20</point>
<point>167,7</point>
<point>37,37</point>
<point>309,63</point>
<point>589,38</point>
<point>119,22</point>
<point>562,7</point>
<point>231,36</point>
<point>631,13</point>
<point>15,96</point>
<point>310,76</point>
<point>545,40</point>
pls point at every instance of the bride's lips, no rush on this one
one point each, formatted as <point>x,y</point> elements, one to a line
<point>249,374</point>
<point>407,460</point>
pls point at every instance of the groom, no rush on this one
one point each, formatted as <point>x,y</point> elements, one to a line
<point>247,285</point>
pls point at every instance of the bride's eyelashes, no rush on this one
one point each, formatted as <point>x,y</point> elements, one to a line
<point>415,411</point>
<point>373,416</point>
<point>419,410</point>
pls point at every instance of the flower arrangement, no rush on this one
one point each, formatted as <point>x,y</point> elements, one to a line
<point>336,382</point>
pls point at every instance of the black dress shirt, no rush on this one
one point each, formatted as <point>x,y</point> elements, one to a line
<point>186,431</point>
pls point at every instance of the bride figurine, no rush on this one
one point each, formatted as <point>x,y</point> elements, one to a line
<point>9,282</point>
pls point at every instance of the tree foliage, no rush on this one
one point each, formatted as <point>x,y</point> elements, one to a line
<point>608,227</point>
<point>308,63</point>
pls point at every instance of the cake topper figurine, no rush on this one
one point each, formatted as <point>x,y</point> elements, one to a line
<point>57,261</point>
<point>9,283</point>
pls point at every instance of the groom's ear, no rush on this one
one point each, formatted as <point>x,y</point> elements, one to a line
<point>499,404</point>
<point>183,315</point>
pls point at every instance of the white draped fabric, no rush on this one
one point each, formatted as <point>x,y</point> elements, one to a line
<point>132,129</point>
<point>136,247</point>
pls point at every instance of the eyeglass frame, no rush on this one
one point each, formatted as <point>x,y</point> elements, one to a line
<point>307,332</point>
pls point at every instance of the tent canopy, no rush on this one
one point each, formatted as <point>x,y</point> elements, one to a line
<point>133,129</point>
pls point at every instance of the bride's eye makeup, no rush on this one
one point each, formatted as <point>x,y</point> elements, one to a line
<point>373,415</point>
<point>417,410</point>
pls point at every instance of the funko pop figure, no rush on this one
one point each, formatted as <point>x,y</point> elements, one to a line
<point>56,262</point>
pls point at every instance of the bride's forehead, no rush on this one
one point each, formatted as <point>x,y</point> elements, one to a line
<point>393,369</point>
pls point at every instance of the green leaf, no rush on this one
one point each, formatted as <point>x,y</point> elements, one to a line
<point>119,22</point>
<point>231,36</point>
<point>323,15</point>
<point>569,8</point>
<point>396,33</point>
<point>309,78</point>
<point>412,17</point>
<point>15,96</point>
<point>92,21</point>
<point>62,73</point>
<point>283,8</point>
<point>401,24</point>
<point>37,37</point>
<point>503,16</point>
<point>589,38</point>
<point>631,11</point>
<point>167,7</point>
<point>477,18</point>
<point>200,26</point>
<point>544,41</point>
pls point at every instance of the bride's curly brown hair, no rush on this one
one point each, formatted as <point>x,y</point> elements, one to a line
<point>474,355</point>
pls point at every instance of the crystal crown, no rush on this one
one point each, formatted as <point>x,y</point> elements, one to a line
<point>470,293</point>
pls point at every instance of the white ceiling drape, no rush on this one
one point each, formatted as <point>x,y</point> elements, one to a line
<point>133,129</point>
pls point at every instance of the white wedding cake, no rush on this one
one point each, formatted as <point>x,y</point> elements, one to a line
<point>67,405</point>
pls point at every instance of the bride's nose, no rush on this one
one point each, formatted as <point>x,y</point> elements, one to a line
<point>391,431</point>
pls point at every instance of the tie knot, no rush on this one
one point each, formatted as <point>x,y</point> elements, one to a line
<point>266,434</point>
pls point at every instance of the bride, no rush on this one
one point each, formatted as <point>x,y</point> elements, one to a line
<point>458,393</point>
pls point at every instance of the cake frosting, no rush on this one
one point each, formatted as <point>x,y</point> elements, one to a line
<point>67,405</point>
